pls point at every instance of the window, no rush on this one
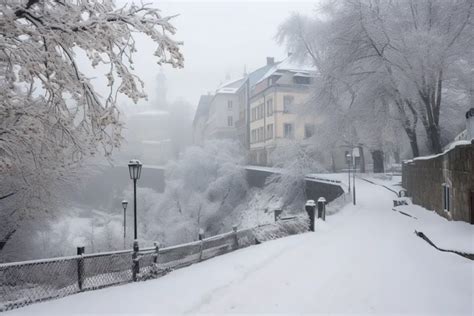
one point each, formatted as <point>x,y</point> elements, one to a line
<point>254,136</point>
<point>260,111</point>
<point>288,130</point>
<point>308,130</point>
<point>269,107</point>
<point>269,131</point>
<point>230,121</point>
<point>301,80</point>
<point>287,103</point>
<point>446,197</point>
<point>262,135</point>
<point>254,114</point>
<point>229,104</point>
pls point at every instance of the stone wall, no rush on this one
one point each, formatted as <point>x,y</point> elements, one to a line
<point>313,189</point>
<point>424,177</point>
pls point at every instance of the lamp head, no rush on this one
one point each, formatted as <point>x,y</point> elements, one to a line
<point>135,169</point>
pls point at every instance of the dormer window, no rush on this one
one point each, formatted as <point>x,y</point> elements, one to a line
<point>301,80</point>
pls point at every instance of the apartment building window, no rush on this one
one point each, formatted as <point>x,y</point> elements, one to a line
<point>288,130</point>
<point>230,121</point>
<point>269,107</point>
<point>446,197</point>
<point>262,135</point>
<point>308,130</point>
<point>229,104</point>
<point>288,103</point>
<point>254,114</point>
<point>269,131</point>
<point>254,136</point>
<point>260,111</point>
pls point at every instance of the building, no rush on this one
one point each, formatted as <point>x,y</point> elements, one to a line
<point>224,111</point>
<point>243,123</point>
<point>200,119</point>
<point>274,100</point>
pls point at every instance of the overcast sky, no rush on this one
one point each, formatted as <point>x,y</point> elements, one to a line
<point>220,38</point>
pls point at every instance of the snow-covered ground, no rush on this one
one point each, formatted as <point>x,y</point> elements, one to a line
<point>448,235</point>
<point>364,259</point>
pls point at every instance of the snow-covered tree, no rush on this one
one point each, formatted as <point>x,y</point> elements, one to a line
<point>51,117</point>
<point>296,159</point>
<point>409,50</point>
<point>203,189</point>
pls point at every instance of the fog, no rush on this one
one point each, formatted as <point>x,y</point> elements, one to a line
<point>155,136</point>
<point>220,40</point>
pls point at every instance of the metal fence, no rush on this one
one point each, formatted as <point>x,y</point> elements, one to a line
<point>23,283</point>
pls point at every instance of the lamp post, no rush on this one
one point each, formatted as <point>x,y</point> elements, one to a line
<point>135,169</point>
<point>124,205</point>
<point>353,178</point>
<point>348,159</point>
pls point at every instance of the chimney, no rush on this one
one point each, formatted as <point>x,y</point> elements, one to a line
<point>470,124</point>
<point>270,61</point>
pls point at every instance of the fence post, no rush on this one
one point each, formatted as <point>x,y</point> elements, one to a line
<point>80,267</point>
<point>236,239</point>
<point>157,251</point>
<point>135,261</point>
<point>201,237</point>
<point>310,209</point>
<point>322,208</point>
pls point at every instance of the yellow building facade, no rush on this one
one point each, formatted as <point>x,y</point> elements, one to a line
<point>274,105</point>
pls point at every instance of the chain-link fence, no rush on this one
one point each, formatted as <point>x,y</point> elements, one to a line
<point>23,283</point>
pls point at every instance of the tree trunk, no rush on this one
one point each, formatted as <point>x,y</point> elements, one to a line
<point>413,141</point>
<point>362,159</point>
<point>377,158</point>
<point>396,155</point>
<point>434,139</point>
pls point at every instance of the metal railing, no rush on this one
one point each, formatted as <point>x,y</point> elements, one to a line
<point>23,283</point>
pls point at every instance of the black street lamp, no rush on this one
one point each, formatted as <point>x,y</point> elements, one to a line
<point>353,179</point>
<point>348,160</point>
<point>124,205</point>
<point>135,169</point>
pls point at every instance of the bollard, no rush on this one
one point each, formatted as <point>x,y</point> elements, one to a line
<point>80,267</point>
<point>135,261</point>
<point>322,208</point>
<point>277,214</point>
<point>236,239</point>
<point>310,208</point>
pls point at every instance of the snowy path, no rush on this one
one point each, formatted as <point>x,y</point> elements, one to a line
<point>365,259</point>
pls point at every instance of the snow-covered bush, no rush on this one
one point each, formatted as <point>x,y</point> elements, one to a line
<point>296,159</point>
<point>203,189</point>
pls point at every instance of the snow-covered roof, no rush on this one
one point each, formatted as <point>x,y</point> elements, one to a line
<point>291,65</point>
<point>231,86</point>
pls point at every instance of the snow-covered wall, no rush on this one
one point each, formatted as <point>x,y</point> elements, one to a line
<point>425,179</point>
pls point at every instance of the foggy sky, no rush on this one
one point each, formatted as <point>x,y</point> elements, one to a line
<point>220,38</point>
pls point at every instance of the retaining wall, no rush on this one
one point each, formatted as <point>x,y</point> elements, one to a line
<point>424,178</point>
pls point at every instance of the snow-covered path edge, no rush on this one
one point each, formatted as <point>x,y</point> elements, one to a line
<point>364,259</point>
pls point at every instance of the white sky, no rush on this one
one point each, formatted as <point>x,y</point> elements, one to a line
<point>220,37</point>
